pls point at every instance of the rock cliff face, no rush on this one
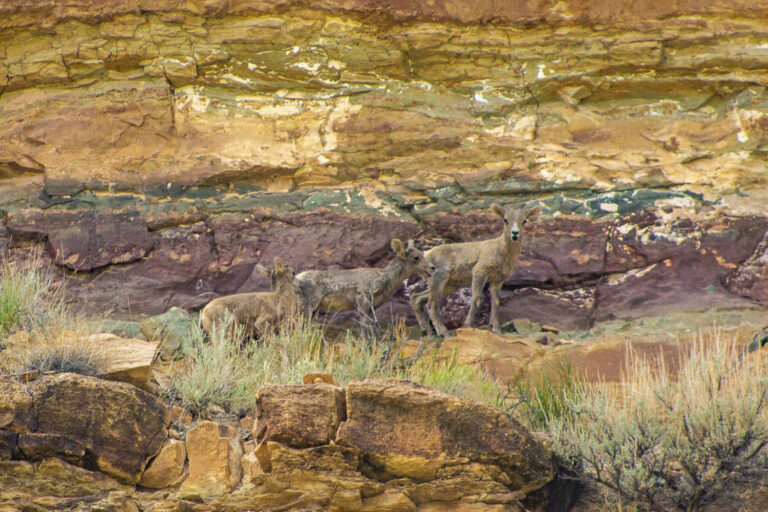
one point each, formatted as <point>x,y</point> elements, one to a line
<point>161,149</point>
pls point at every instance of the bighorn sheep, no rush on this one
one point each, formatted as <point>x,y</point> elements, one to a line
<point>258,312</point>
<point>475,263</point>
<point>337,290</point>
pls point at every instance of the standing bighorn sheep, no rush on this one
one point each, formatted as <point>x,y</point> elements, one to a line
<point>258,312</point>
<point>475,263</point>
<point>337,290</point>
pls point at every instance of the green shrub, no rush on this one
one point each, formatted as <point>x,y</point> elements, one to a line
<point>58,336</point>
<point>227,372</point>
<point>671,442</point>
<point>24,294</point>
<point>453,378</point>
<point>218,372</point>
<point>542,398</point>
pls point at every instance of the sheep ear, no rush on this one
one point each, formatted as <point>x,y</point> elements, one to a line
<point>533,212</point>
<point>279,265</point>
<point>410,245</point>
<point>398,246</point>
<point>498,210</point>
<point>263,270</point>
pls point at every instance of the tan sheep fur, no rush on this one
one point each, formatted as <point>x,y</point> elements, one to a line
<point>258,312</point>
<point>338,290</point>
<point>476,263</point>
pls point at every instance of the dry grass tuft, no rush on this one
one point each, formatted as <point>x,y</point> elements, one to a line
<point>225,372</point>
<point>57,336</point>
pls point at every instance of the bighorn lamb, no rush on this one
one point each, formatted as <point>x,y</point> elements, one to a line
<point>337,290</point>
<point>475,263</point>
<point>258,312</point>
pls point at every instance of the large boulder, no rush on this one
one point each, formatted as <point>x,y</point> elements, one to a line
<point>215,460</point>
<point>15,405</point>
<point>408,430</point>
<point>112,426</point>
<point>167,468</point>
<point>53,484</point>
<point>299,416</point>
<point>751,278</point>
<point>128,360</point>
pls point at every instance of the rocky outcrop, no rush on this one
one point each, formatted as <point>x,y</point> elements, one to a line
<point>162,151</point>
<point>411,431</point>
<point>299,416</point>
<point>215,460</point>
<point>394,446</point>
<point>167,467</point>
<point>751,278</point>
<point>401,447</point>
<point>127,360</point>
<point>109,426</point>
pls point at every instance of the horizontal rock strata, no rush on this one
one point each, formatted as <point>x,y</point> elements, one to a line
<point>159,152</point>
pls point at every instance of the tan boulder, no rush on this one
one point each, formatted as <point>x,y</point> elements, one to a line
<point>119,424</point>
<point>299,415</point>
<point>471,346</point>
<point>215,460</point>
<point>128,360</point>
<point>167,467</point>
<point>43,446</point>
<point>390,501</point>
<point>124,359</point>
<point>15,405</point>
<point>407,430</point>
<point>251,464</point>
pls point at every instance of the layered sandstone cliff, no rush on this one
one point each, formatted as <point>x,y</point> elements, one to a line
<point>161,149</point>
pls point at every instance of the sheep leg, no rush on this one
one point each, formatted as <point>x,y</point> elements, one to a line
<point>417,304</point>
<point>310,302</point>
<point>262,328</point>
<point>495,302</point>
<point>436,293</point>
<point>478,285</point>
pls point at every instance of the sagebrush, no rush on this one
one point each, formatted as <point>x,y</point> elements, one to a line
<point>672,442</point>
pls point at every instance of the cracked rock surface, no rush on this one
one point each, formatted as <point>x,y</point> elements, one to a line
<point>160,151</point>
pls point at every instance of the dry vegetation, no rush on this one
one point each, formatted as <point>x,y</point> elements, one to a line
<point>224,372</point>
<point>657,442</point>
<point>661,442</point>
<point>56,335</point>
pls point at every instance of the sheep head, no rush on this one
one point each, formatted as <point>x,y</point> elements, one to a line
<point>514,219</point>
<point>413,257</point>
